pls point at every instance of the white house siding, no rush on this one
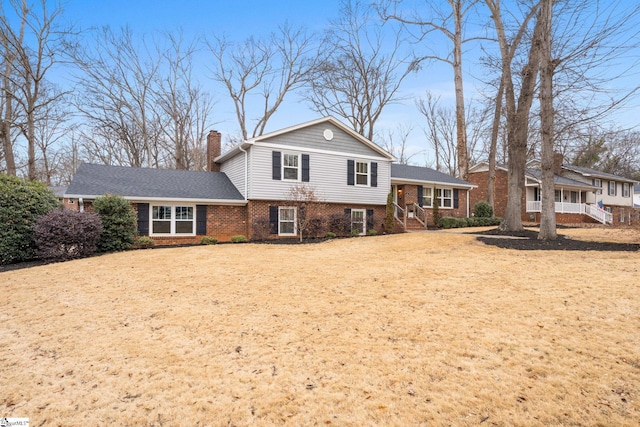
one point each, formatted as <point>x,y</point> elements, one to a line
<point>327,176</point>
<point>234,168</point>
<point>312,138</point>
<point>606,199</point>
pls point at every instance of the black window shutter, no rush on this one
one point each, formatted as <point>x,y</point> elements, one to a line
<point>276,165</point>
<point>351,171</point>
<point>455,198</point>
<point>143,219</point>
<point>369,219</point>
<point>420,196</point>
<point>273,219</point>
<point>374,174</point>
<point>347,220</point>
<point>201,220</point>
<point>305,168</point>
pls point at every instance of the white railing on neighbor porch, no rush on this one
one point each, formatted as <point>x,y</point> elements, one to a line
<point>578,208</point>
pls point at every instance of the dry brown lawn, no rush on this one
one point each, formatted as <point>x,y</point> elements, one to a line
<point>405,330</point>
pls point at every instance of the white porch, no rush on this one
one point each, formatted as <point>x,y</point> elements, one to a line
<point>592,211</point>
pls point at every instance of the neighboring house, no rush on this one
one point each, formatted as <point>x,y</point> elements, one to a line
<point>252,182</point>
<point>581,195</point>
<point>636,196</point>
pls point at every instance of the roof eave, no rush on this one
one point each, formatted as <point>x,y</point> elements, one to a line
<point>228,202</point>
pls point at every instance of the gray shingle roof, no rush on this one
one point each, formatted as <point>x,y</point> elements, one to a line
<point>596,173</point>
<point>557,179</point>
<point>131,183</point>
<point>418,173</point>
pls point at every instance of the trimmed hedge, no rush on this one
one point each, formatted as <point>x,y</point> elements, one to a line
<point>451,222</point>
<point>61,235</point>
<point>118,223</point>
<point>482,209</point>
<point>22,202</point>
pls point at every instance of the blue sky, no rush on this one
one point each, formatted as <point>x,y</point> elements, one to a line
<point>241,19</point>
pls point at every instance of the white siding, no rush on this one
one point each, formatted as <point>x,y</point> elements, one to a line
<point>312,138</point>
<point>327,176</point>
<point>234,168</point>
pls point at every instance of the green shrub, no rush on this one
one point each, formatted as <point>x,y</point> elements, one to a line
<point>330,235</point>
<point>206,240</point>
<point>436,209</point>
<point>448,222</point>
<point>372,232</point>
<point>355,232</point>
<point>239,239</point>
<point>143,242</point>
<point>482,209</point>
<point>451,222</point>
<point>63,234</point>
<point>118,223</point>
<point>389,219</point>
<point>22,202</point>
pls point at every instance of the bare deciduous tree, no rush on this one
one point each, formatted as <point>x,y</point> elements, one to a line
<point>266,70</point>
<point>396,142</point>
<point>363,71</point>
<point>183,106</point>
<point>116,78</point>
<point>33,50</point>
<point>448,21</point>
<point>309,207</point>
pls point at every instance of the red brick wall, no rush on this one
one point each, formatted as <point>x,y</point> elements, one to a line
<point>411,197</point>
<point>481,179</point>
<point>260,209</point>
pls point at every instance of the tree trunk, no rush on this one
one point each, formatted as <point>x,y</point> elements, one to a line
<point>491,185</point>
<point>518,133</point>
<point>461,127</point>
<point>548,215</point>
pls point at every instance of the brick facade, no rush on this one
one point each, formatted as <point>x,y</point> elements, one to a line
<point>408,195</point>
<point>481,179</point>
<point>259,210</point>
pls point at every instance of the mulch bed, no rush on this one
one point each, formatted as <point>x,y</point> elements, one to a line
<point>527,240</point>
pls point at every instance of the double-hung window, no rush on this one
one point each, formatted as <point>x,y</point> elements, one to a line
<point>612,188</point>
<point>445,197</point>
<point>172,220</point>
<point>598,183</point>
<point>362,173</point>
<point>287,221</point>
<point>358,221</point>
<point>291,167</point>
<point>558,196</point>
<point>427,197</point>
<point>625,189</point>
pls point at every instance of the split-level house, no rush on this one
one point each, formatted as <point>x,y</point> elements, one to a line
<point>252,182</point>
<point>582,195</point>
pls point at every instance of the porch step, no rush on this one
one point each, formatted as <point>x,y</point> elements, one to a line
<point>414,225</point>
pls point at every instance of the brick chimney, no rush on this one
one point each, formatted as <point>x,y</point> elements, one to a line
<point>214,149</point>
<point>557,163</point>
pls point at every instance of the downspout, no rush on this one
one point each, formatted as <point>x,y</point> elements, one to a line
<point>468,204</point>
<point>81,204</point>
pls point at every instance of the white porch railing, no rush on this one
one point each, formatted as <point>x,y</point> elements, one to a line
<point>420,214</point>
<point>400,215</point>
<point>592,211</point>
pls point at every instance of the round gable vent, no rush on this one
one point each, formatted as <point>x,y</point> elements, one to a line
<point>328,134</point>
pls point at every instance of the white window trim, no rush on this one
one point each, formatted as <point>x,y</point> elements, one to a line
<point>355,174</point>
<point>424,197</point>
<point>626,192</point>
<point>364,220</point>
<point>441,198</point>
<point>295,221</point>
<point>299,167</point>
<point>172,220</point>
<point>598,183</point>
<point>614,193</point>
